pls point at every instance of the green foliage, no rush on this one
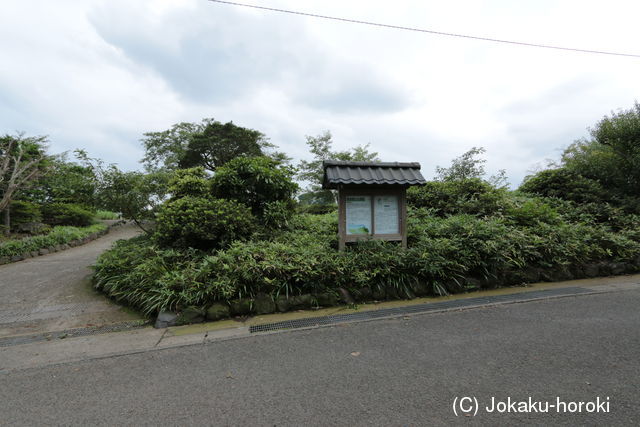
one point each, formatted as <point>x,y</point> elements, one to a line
<point>106,215</point>
<point>208,144</point>
<point>66,214</point>
<point>24,212</point>
<point>564,184</point>
<point>470,166</point>
<point>203,223</point>
<point>255,182</point>
<point>22,160</point>
<point>467,166</point>
<point>445,255</point>
<point>319,197</point>
<point>58,236</point>
<point>612,156</point>
<point>136,195</point>
<point>65,182</point>
<point>189,182</point>
<point>321,149</point>
<point>532,212</point>
<point>621,132</point>
<point>464,232</point>
<point>276,215</point>
<point>318,209</point>
<point>144,276</point>
<point>219,143</point>
<point>468,196</point>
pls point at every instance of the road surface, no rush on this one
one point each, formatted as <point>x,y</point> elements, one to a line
<point>404,371</point>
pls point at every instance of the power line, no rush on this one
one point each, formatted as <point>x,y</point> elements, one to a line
<point>422,30</point>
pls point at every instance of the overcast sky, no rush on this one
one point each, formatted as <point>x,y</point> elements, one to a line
<point>97,74</point>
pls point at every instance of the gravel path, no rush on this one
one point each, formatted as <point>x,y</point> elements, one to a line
<point>53,292</point>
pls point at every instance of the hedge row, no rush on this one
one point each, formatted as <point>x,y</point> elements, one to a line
<point>61,235</point>
<point>446,255</point>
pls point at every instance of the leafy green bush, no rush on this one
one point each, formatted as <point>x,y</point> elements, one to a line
<point>138,273</point>
<point>66,214</point>
<point>189,182</point>
<point>277,215</point>
<point>467,196</point>
<point>106,215</point>
<point>203,223</point>
<point>318,209</point>
<point>58,236</point>
<point>564,184</point>
<point>255,182</point>
<point>23,212</point>
<point>531,212</point>
<point>457,253</point>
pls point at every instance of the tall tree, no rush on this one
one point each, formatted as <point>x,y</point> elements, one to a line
<point>64,181</point>
<point>470,166</point>
<point>321,147</point>
<point>22,159</point>
<point>209,144</point>
<point>612,155</point>
<point>136,195</point>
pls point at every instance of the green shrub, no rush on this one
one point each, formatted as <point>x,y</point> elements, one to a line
<point>106,215</point>
<point>203,223</point>
<point>320,209</point>
<point>23,212</point>
<point>66,214</point>
<point>140,274</point>
<point>444,255</point>
<point>189,182</point>
<point>564,184</point>
<point>255,182</point>
<point>58,236</point>
<point>469,196</point>
<point>277,215</point>
<point>531,212</point>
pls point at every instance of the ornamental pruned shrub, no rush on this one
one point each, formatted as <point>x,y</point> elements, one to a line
<point>564,184</point>
<point>471,196</point>
<point>203,223</point>
<point>256,182</point>
<point>189,182</point>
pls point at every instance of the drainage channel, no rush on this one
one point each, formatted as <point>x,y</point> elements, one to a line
<point>418,308</point>
<point>72,333</point>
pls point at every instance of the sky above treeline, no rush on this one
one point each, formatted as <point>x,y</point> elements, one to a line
<point>97,74</point>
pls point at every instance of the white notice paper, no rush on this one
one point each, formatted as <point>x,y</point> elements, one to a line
<point>386,215</point>
<point>358,214</point>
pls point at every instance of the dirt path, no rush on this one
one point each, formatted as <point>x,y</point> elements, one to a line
<point>53,292</point>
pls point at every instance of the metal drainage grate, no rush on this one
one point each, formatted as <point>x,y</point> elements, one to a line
<point>72,333</point>
<point>418,308</point>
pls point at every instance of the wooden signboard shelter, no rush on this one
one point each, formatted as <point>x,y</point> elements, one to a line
<point>371,198</point>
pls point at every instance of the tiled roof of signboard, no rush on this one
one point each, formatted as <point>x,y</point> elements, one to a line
<point>394,173</point>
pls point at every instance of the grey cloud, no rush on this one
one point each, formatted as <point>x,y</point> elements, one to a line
<point>217,61</point>
<point>354,95</point>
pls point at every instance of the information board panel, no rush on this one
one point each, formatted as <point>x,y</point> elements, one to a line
<point>387,215</point>
<point>358,210</point>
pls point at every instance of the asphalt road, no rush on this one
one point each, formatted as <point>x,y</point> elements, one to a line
<point>390,372</point>
<point>53,292</point>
